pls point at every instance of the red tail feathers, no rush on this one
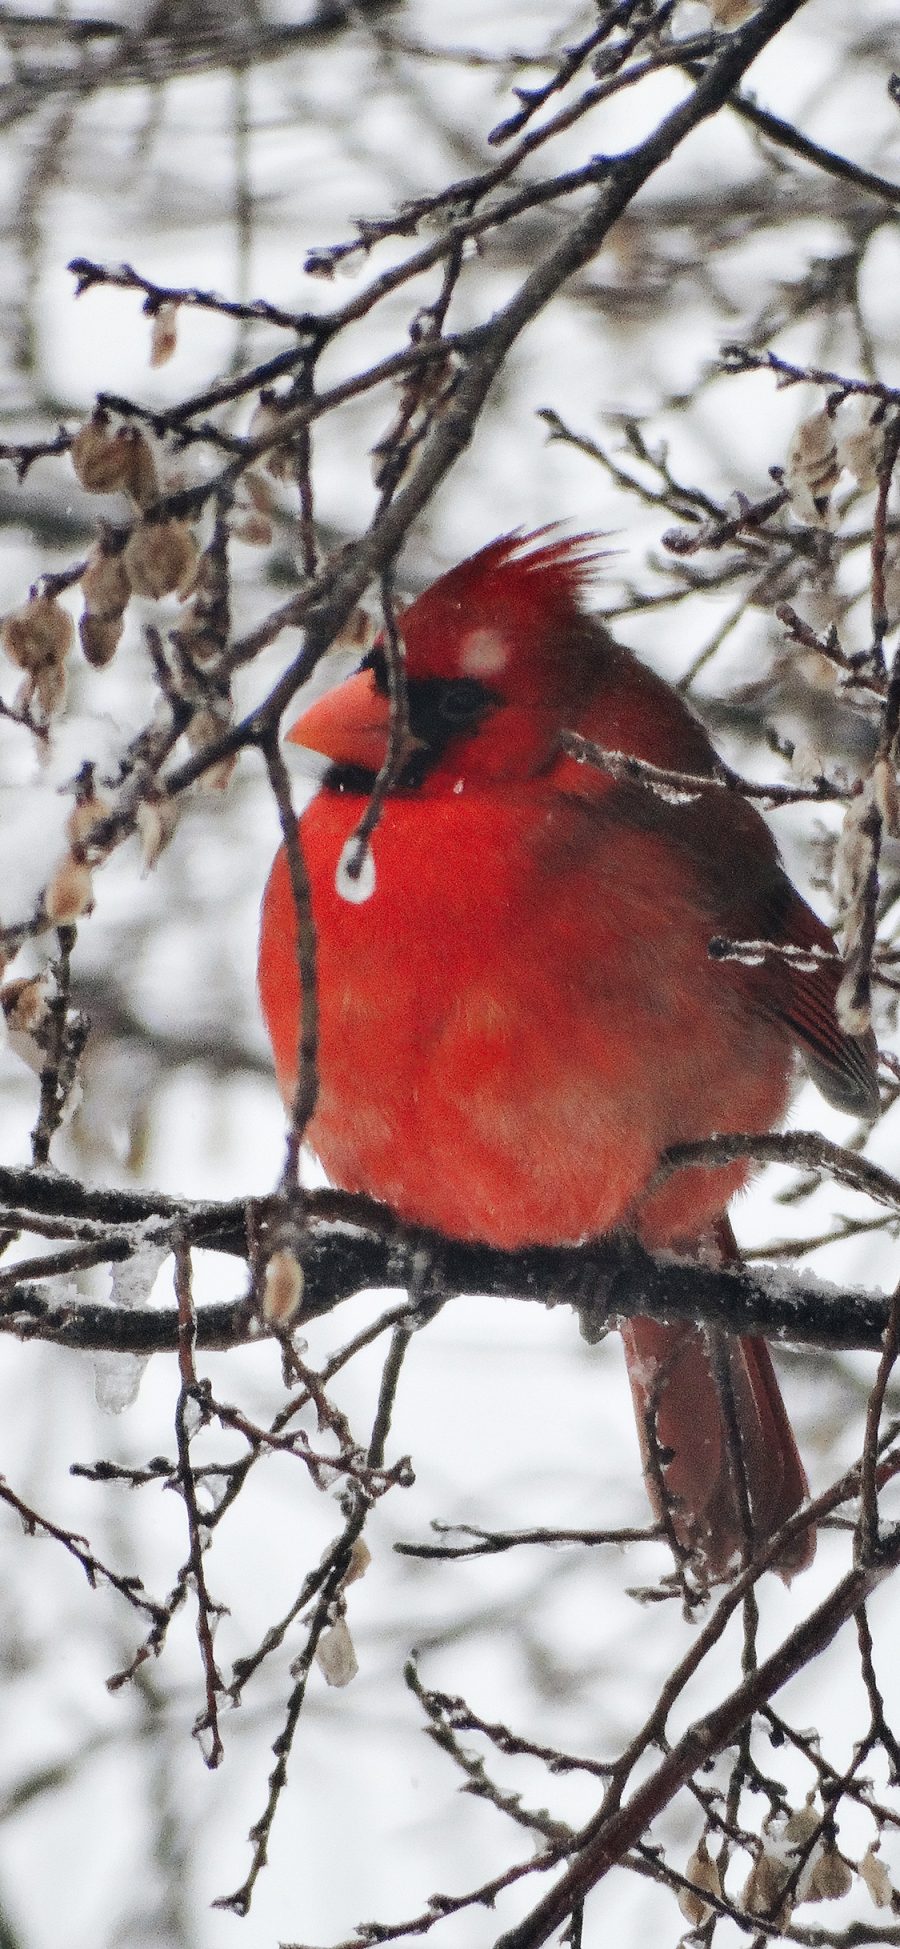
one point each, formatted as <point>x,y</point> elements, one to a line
<point>720,1503</point>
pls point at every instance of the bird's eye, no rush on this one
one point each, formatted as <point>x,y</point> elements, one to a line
<point>461,701</point>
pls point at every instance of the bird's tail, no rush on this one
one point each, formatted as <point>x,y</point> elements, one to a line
<point>720,1460</point>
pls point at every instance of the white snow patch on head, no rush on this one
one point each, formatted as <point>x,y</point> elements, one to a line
<point>483,653</point>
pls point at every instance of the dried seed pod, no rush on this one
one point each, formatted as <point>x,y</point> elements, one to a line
<point>196,633</point>
<point>764,1888</point>
<point>259,491</point>
<point>282,1294</point>
<point>249,526</point>
<point>860,439</point>
<point>887,799</point>
<point>104,584</point>
<point>360,1558</point>
<point>155,821</point>
<point>160,557</point>
<point>265,422</point>
<point>101,456</point>
<point>875,1875</point>
<point>853,856</point>
<point>70,891</point>
<point>335,1655</point>
<point>206,728</point>
<point>163,333</point>
<point>731,13</point>
<point>45,690</point>
<point>811,467</point>
<point>26,1004</point>
<point>108,460</point>
<point>100,637</point>
<point>38,633</point>
<point>802,1825</point>
<point>831,1877</point>
<point>86,815</point>
<point>703,1871</point>
<point>143,479</point>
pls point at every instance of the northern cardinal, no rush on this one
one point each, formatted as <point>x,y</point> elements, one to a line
<point>519,1011</point>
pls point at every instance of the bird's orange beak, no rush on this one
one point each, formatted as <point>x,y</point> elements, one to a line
<point>348,726</point>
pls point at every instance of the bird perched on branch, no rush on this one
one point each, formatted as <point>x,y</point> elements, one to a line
<point>519,1009</point>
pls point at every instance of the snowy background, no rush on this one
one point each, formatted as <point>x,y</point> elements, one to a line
<point>223,176</point>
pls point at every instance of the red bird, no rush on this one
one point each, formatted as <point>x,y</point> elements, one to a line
<point>519,1011</point>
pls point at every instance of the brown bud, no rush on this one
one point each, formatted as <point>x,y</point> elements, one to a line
<point>197,635</point>
<point>884,785</point>
<point>264,425</point>
<point>163,334</point>
<point>249,526</point>
<point>25,1004</point>
<point>160,557</point>
<point>45,690</point>
<point>86,814</point>
<point>860,440</point>
<point>282,1294</point>
<point>731,13</point>
<point>40,632</point>
<point>143,479</point>
<point>875,1875</point>
<point>703,1872</point>
<point>155,821</point>
<point>104,584</point>
<point>100,637</point>
<point>259,491</point>
<point>70,891</point>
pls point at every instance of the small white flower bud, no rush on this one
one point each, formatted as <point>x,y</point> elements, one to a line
<point>163,333</point>
<point>282,1294</point>
<point>335,1655</point>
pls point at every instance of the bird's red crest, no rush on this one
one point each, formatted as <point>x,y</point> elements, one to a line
<point>513,605</point>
